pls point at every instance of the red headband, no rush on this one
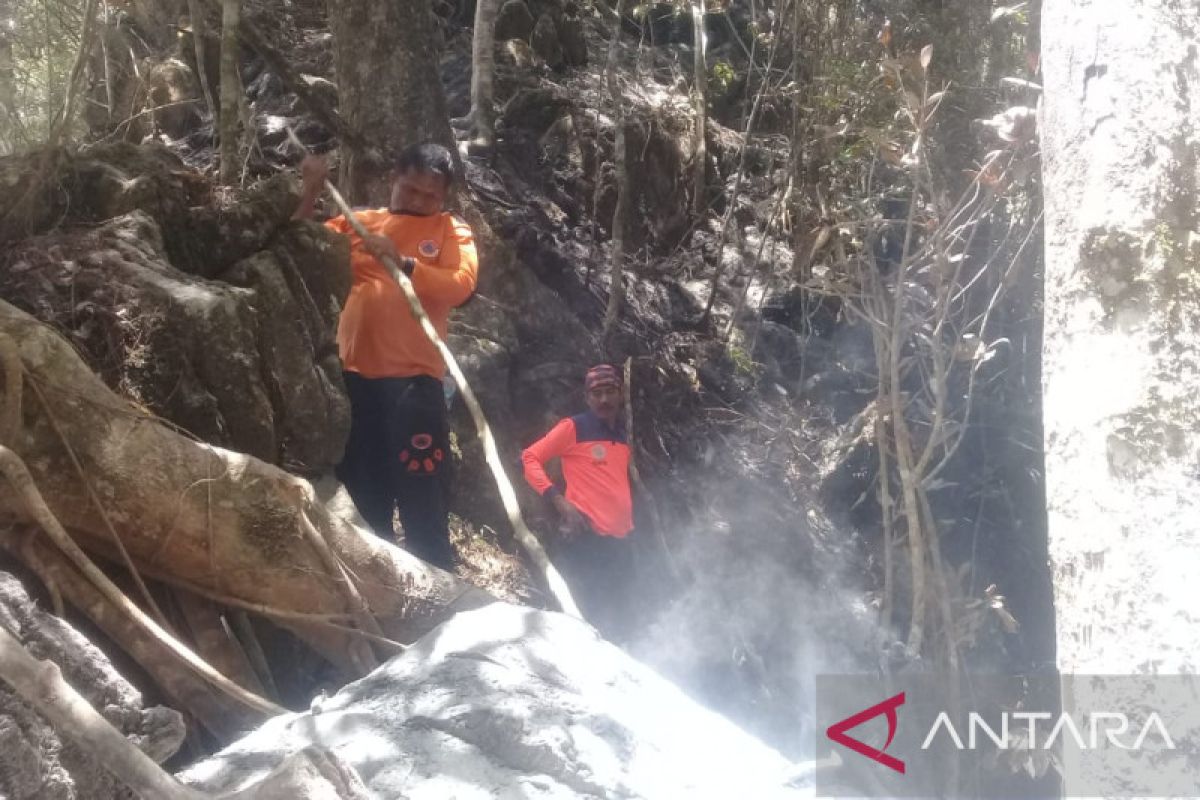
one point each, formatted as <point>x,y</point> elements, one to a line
<point>600,375</point>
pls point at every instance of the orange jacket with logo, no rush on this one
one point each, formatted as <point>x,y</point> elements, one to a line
<point>378,337</point>
<point>595,465</point>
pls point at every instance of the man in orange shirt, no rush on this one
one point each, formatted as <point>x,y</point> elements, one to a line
<point>398,454</point>
<point>596,507</point>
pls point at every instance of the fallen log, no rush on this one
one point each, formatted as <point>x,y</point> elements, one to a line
<point>41,684</point>
<point>312,773</point>
<point>182,689</point>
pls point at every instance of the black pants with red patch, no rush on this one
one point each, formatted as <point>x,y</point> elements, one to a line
<point>398,457</point>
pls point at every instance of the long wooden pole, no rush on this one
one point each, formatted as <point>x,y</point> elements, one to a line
<point>508,496</point>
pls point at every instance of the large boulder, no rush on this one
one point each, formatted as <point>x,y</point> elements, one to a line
<point>508,702</point>
<point>545,42</point>
<point>52,187</point>
<point>573,38</point>
<point>217,316</point>
<point>535,109</point>
<point>514,21</point>
<point>247,363</point>
<point>35,762</point>
<point>173,97</point>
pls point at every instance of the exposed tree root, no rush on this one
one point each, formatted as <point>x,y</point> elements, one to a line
<point>361,655</point>
<point>125,558</point>
<point>310,773</point>
<point>182,688</point>
<point>239,622</point>
<point>215,642</point>
<point>14,374</point>
<point>231,530</point>
<point>18,476</point>
<point>41,684</point>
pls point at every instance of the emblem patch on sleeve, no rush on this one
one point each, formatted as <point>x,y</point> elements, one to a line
<point>428,249</point>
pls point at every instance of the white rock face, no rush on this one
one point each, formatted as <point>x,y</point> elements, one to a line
<point>1122,338</point>
<point>508,702</point>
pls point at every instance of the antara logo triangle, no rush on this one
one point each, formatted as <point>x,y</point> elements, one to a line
<point>837,732</point>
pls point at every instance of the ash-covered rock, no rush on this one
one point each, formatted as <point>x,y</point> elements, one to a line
<point>507,702</point>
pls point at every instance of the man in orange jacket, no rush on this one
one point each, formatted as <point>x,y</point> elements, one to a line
<point>596,506</point>
<point>399,448</point>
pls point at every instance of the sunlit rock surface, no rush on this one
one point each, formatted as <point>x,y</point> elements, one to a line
<point>508,702</point>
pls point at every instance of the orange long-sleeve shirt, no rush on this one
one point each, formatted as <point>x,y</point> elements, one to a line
<point>595,464</point>
<point>378,337</point>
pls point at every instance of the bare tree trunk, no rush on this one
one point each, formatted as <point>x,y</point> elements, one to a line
<point>196,16</point>
<point>8,86</point>
<point>1120,127</point>
<point>386,62</point>
<point>616,292</point>
<point>62,122</point>
<point>231,89</point>
<point>110,94</point>
<point>50,50</point>
<point>700,109</point>
<point>1122,365</point>
<point>483,70</point>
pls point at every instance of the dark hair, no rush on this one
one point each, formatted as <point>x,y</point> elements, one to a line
<point>427,157</point>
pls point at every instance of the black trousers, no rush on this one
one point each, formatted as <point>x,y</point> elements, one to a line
<point>398,457</point>
<point>600,572</point>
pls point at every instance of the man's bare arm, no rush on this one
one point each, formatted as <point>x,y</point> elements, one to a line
<point>313,172</point>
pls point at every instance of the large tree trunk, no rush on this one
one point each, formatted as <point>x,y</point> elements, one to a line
<point>231,88</point>
<point>8,86</point>
<point>616,289</point>
<point>483,70</point>
<point>1122,337</point>
<point>699,109</point>
<point>222,523</point>
<point>196,19</point>
<point>386,60</point>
